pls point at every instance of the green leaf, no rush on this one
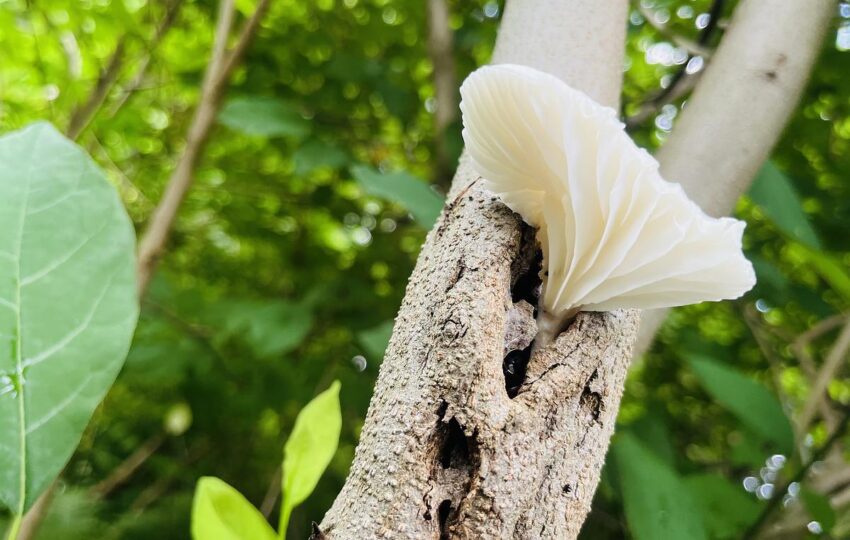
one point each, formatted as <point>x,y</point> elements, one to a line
<point>773,191</point>
<point>657,502</point>
<point>270,328</point>
<point>747,399</point>
<point>219,512</point>
<point>67,303</point>
<point>376,339</point>
<point>819,508</point>
<point>309,450</point>
<point>830,270</point>
<point>316,154</point>
<point>263,116</point>
<point>404,189</point>
<point>727,510</point>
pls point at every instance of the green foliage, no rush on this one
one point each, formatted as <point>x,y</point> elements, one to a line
<point>726,509</point>
<point>263,116</point>
<point>772,190</point>
<point>404,189</point>
<point>219,512</point>
<point>376,339</point>
<point>819,509</point>
<point>658,504</point>
<point>68,304</point>
<point>748,400</point>
<point>309,449</point>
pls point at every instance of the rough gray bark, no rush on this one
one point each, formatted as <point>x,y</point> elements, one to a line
<point>446,451</point>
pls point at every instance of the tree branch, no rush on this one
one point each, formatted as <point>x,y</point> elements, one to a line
<point>441,52</point>
<point>834,361</point>
<point>446,451</point>
<point>216,78</point>
<point>722,138</point>
<point>84,113</point>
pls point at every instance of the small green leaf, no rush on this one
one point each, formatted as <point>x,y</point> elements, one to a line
<point>657,502</point>
<point>376,339</point>
<point>404,189</point>
<point>309,450</point>
<point>219,512</point>
<point>773,191</point>
<point>747,399</point>
<point>263,116</point>
<point>832,271</point>
<point>819,509</point>
<point>727,510</point>
<point>67,303</point>
<point>317,154</point>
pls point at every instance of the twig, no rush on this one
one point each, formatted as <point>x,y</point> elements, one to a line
<point>831,365</point>
<point>673,90</point>
<point>216,78</point>
<point>128,467</point>
<point>34,517</point>
<point>440,50</point>
<point>83,114</point>
<point>272,493</point>
<point>773,503</point>
<point>139,76</point>
<point>692,47</point>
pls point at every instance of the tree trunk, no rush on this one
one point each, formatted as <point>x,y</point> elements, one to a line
<point>450,446</point>
<point>739,107</point>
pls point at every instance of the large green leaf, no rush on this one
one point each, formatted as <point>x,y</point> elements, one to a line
<point>402,188</point>
<point>747,399</point>
<point>263,116</point>
<point>727,510</point>
<point>309,450</point>
<point>832,271</point>
<point>67,303</point>
<point>219,512</point>
<point>316,154</point>
<point>658,504</point>
<point>774,192</point>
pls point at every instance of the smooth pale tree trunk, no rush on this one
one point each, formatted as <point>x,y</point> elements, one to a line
<point>445,451</point>
<point>740,106</point>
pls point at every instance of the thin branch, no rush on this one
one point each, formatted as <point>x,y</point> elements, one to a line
<point>141,72</point>
<point>819,454</point>
<point>833,362</point>
<point>128,467</point>
<point>694,48</point>
<point>83,114</point>
<point>272,494</point>
<point>217,76</point>
<point>441,52</point>
<point>34,517</point>
<point>682,82</point>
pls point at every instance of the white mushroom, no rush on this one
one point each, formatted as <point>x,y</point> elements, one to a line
<point>614,234</point>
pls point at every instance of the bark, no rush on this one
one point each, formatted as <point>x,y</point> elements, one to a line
<point>450,446</point>
<point>740,106</point>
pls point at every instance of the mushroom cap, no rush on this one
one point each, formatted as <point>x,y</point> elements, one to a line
<point>613,232</point>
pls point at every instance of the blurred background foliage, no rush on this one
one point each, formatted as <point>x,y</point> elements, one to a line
<point>292,250</point>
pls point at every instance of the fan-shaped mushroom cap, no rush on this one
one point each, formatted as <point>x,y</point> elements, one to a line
<point>614,234</point>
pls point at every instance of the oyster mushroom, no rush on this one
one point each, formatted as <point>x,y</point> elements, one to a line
<point>614,234</point>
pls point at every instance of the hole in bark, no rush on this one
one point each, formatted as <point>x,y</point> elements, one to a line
<point>455,451</point>
<point>443,512</point>
<point>590,400</point>
<point>527,283</point>
<point>568,488</point>
<point>513,367</point>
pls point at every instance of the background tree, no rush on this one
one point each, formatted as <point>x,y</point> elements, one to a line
<point>293,245</point>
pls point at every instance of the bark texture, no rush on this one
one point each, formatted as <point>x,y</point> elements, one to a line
<point>469,434</point>
<point>740,106</point>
